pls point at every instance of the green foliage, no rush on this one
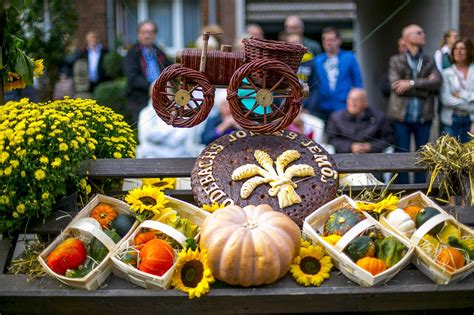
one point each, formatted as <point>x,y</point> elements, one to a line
<point>112,94</point>
<point>50,43</point>
<point>113,65</point>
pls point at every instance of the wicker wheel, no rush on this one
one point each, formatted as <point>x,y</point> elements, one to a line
<point>182,97</point>
<point>264,108</point>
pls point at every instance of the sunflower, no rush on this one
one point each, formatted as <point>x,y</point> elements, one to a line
<point>387,204</point>
<point>160,183</point>
<point>213,207</point>
<point>147,202</point>
<point>192,274</point>
<point>311,267</point>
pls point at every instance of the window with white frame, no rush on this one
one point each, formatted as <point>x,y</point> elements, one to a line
<point>178,21</point>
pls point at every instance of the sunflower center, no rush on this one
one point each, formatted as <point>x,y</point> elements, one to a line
<point>310,265</point>
<point>192,273</point>
<point>148,201</point>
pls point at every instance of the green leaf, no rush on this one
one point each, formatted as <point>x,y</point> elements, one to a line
<point>19,4</point>
<point>24,67</point>
<point>191,243</point>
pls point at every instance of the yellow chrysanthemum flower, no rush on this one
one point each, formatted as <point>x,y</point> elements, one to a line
<point>311,266</point>
<point>63,147</point>
<point>56,163</point>
<point>40,174</point>
<point>117,155</point>
<point>387,204</point>
<point>7,171</point>
<point>160,183</point>
<point>147,199</point>
<point>213,207</point>
<point>20,208</point>
<point>192,274</point>
<point>45,195</point>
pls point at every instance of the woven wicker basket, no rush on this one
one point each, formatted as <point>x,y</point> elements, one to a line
<point>421,259</point>
<point>146,280</point>
<point>256,49</point>
<point>313,228</point>
<point>86,228</point>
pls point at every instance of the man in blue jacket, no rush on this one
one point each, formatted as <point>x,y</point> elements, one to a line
<point>337,71</point>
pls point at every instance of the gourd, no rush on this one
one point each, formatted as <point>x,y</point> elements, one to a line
<point>157,256</point>
<point>448,230</point>
<point>104,214</point>
<point>412,211</point>
<point>98,251</point>
<point>360,247</point>
<point>342,221</point>
<point>390,250</point>
<point>372,265</point>
<point>70,254</point>
<point>451,258</point>
<point>401,221</point>
<point>122,224</point>
<point>466,244</point>
<point>142,238</point>
<point>424,215</point>
<point>248,246</point>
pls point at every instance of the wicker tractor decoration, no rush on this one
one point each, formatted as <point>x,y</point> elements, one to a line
<point>263,90</point>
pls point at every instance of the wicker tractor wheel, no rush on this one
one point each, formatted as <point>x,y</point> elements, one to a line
<point>264,107</point>
<point>182,97</point>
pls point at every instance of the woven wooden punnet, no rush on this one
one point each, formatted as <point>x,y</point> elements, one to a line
<point>84,227</point>
<point>313,227</point>
<point>421,259</point>
<point>146,280</point>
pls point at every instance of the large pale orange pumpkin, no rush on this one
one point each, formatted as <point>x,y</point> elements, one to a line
<point>250,246</point>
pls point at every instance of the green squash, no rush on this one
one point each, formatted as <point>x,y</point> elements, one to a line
<point>360,247</point>
<point>98,251</point>
<point>424,215</point>
<point>122,224</point>
<point>390,250</point>
<point>342,221</point>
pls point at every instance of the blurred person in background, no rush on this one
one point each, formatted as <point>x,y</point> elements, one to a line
<point>442,56</point>
<point>255,31</point>
<point>337,71</point>
<point>295,25</point>
<point>157,139</point>
<point>306,74</point>
<point>65,85</point>
<point>415,81</point>
<point>359,128</point>
<point>94,55</point>
<point>143,65</point>
<point>457,92</point>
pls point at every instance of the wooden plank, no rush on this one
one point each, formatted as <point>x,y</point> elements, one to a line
<point>5,245</point>
<point>409,290</point>
<point>181,167</point>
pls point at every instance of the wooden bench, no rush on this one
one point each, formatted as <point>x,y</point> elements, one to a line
<point>409,290</point>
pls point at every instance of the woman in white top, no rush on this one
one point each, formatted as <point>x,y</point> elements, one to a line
<point>442,56</point>
<point>457,92</point>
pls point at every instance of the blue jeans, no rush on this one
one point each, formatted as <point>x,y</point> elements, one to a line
<point>402,133</point>
<point>461,125</point>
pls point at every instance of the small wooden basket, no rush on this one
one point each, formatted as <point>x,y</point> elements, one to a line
<point>85,227</point>
<point>313,227</point>
<point>146,280</point>
<point>421,259</point>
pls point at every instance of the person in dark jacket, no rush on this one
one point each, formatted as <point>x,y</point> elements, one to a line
<point>142,66</point>
<point>359,128</point>
<point>94,55</point>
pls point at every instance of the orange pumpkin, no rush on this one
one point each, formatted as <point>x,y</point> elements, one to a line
<point>142,238</point>
<point>451,258</point>
<point>157,257</point>
<point>412,211</point>
<point>372,265</point>
<point>70,254</point>
<point>104,214</point>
